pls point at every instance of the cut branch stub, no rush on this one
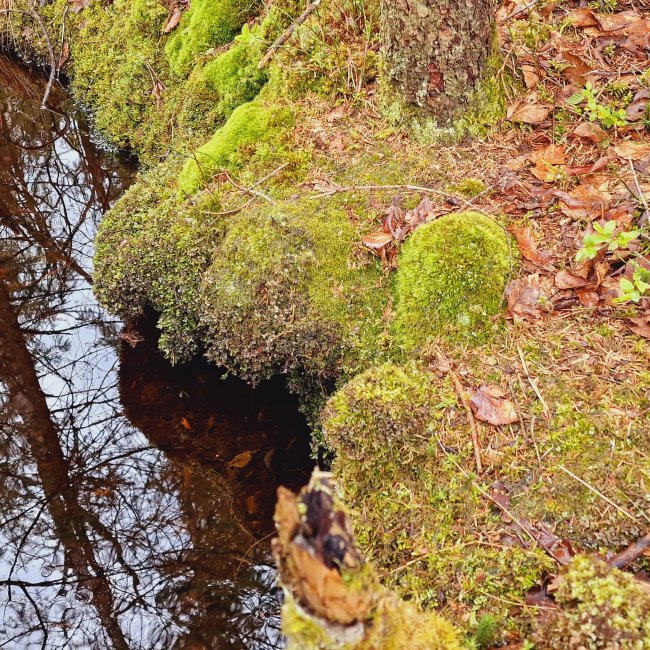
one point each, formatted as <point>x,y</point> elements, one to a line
<point>318,560</point>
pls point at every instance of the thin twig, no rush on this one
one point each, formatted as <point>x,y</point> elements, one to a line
<point>533,384</point>
<point>286,35</point>
<point>595,491</point>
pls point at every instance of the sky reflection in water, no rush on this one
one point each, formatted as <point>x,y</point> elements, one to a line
<point>105,540</point>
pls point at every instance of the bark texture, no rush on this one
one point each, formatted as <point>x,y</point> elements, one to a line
<point>435,51</point>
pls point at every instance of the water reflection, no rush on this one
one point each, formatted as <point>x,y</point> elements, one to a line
<point>113,536</point>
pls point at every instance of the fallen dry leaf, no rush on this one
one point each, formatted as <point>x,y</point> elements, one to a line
<point>489,404</point>
<point>640,325</point>
<point>568,280</point>
<point>523,296</point>
<point>173,21</point>
<point>376,240</point>
<point>590,131</point>
<point>531,75</point>
<point>528,248</point>
<point>631,150</point>
<point>530,114</point>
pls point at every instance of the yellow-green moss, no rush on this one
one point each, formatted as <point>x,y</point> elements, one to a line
<point>601,608</point>
<point>248,126</point>
<point>206,24</point>
<point>450,279</point>
<point>286,294</point>
<point>399,440</point>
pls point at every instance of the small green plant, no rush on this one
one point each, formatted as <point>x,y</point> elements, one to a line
<point>605,237</point>
<point>606,6</point>
<point>596,112</point>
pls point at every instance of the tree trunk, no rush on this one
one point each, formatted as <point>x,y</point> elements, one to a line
<point>435,51</point>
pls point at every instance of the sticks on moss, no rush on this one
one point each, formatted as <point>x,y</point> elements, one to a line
<point>286,35</point>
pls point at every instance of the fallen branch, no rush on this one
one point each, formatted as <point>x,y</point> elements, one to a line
<point>633,552</point>
<point>286,35</point>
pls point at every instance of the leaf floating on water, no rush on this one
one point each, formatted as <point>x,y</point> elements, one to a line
<point>489,404</point>
<point>186,424</point>
<point>241,460</point>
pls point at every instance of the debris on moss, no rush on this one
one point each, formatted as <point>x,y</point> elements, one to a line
<point>601,608</point>
<point>333,598</point>
<point>450,280</point>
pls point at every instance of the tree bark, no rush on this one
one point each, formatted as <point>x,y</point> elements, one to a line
<point>435,51</point>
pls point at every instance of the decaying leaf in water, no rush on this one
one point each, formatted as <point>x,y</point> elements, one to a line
<point>241,460</point>
<point>490,404</point>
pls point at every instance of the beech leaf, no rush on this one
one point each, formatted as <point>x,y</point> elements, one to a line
<point>530,114</point>
<point>489,404</point>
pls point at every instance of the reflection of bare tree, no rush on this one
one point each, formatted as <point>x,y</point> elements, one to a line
<point>105,542</point>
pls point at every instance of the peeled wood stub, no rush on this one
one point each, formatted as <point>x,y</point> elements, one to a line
<point>435,51</point>
<point>316,555</point>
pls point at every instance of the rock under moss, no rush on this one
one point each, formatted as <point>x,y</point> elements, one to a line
<point>286,293</point>
<point>450,280</point>
<point>206,24</point>
<point>601,608</point>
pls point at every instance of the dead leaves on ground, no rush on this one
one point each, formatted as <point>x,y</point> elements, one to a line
<point>490,404</point>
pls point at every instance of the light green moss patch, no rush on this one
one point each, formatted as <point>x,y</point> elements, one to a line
<point>410,500</point>
<point>286,293</point>
<point>248,126</point>
<point>207,23</point>
<point>601,609</point>
<point>450,280</point>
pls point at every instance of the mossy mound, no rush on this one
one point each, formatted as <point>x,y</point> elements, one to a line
<point>450,280</point>
<point>288,292</point>
<point>601,608</point>
<point>249,125</point>
<point>403,455</point>
<point>206,24</point>
<point>151,252</point>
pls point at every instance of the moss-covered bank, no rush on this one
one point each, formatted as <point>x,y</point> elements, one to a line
<point>248,234</point>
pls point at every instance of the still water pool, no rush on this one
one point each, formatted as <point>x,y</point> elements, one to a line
<point>135,498</point>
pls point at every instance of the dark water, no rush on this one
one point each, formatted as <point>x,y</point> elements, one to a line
<point>135,498</point>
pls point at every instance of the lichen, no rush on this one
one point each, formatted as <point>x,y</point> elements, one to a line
<point>601,608</point>
<point>450,280</point>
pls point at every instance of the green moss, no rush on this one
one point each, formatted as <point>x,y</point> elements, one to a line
<point>450,279</point>
<point>468,187</point>
<point>248,126</point>
<point>151,253</point>
<point>285,293</point>
<point>601,609</point>
<point>411,500</point>
<point>207,24</point>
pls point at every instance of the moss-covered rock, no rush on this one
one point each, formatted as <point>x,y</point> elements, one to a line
<point>207,24</point>
<point>288,293</point>
<point>601,608</point>
<point>403,454</point>
<point>450,280</point>
<point>248,126</point>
